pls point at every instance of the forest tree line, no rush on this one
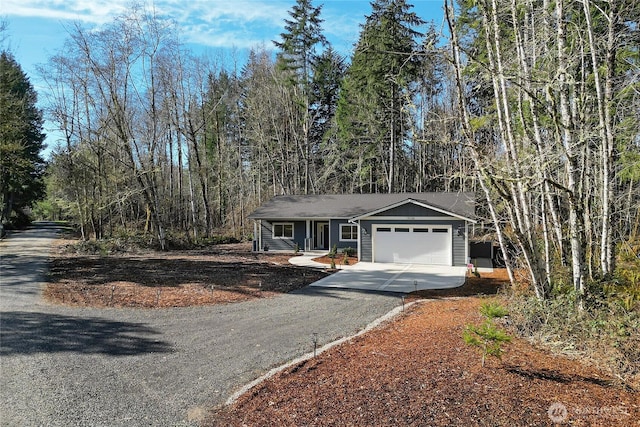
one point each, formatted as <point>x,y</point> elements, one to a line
<point>532,104</point>
<point>156,138</point>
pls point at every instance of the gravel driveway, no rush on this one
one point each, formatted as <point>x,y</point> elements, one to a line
<point>125,367</point>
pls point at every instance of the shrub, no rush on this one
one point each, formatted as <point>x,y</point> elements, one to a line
<point>493,310</point>
<point>349,251</point>
<point>605,331</point>
<point>333,252</point>
<point>488,337</point>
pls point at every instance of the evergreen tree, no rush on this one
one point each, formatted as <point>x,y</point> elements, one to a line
<point>329,71</point>
<point>379,86</point>
<point>298,56</point>
<point>21,140</point>
<point>298,46</point>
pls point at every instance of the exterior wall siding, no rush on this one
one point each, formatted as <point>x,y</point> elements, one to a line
<point>409,209</point>
<point>299,234</point>
<point>334,233</point>
<point>366,248</point>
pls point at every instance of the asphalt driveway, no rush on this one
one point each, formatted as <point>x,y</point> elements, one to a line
<point>397,278</point>
<point>159,367</point>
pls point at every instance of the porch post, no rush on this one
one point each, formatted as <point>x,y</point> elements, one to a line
<point>466,242</point>
<point>307,240</point>
<point>259,225</point>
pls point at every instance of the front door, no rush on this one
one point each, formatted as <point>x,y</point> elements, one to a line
<point>325,231</point>
<point>322,235</point>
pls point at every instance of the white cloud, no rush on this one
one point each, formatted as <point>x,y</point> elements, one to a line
<point>90,11</point>
<point>241,24</point>
<point>215,23</point>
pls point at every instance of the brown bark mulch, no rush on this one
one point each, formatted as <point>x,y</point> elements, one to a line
<point>417,370</point>
<point>228,273</point>
<point>339,260</point>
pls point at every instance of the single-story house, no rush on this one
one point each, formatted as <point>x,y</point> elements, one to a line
<point>418,228</point>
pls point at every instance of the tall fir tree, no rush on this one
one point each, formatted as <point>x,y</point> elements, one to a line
<point>21,140</point>
<point>379,86</point>
<point>298,56</point>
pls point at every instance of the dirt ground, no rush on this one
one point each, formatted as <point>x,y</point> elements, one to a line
<point>228,273</point>
<point>416,370</point>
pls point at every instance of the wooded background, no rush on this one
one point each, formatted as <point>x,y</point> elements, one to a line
<point>532,104</point>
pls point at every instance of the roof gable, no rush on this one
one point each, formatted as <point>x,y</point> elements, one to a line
<point>410,209</point>
<point>349,206</point>
<point>428,206</point>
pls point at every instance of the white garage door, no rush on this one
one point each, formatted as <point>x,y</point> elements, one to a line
<point>412,244</point>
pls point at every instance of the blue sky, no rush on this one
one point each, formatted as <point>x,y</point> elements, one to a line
<point>38,28</point>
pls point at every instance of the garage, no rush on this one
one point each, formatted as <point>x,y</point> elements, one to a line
<point>412,244</point>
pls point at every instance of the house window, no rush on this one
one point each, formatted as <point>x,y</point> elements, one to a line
<point>283,230</point>
<point>348,232</point>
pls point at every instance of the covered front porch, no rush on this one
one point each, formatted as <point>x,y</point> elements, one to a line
<point>318,236</point>
<point>295,235</point>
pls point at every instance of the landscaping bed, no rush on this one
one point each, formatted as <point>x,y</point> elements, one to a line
<point>339,260</point>
<point>223,274</point>
<point>417,370</point>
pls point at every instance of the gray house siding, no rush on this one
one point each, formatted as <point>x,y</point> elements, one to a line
<point>458,244</point>
<point>334,235</point>
<point>299,234</point>
<point>366,247</point>
<point>410,210</point>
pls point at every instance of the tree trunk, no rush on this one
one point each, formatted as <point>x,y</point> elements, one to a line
<point>576,227</point>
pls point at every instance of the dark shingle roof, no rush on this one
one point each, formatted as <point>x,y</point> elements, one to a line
<point>353,205</point>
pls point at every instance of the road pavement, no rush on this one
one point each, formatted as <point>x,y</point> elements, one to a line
<point>62,366</point>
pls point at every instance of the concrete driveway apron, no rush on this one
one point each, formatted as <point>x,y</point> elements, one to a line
<point>402,278</point>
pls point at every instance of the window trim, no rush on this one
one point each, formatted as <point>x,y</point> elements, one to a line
<point>283,224</point>
<point>354,231</point>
